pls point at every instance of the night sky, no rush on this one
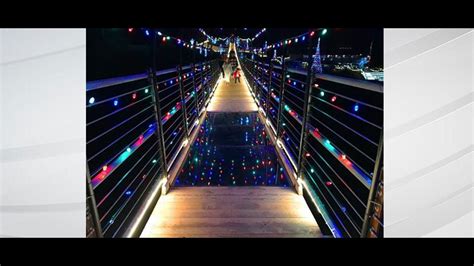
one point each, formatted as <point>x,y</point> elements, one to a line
<point>116,52</point>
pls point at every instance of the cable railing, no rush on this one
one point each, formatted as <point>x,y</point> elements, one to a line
<point>330,129</point>
<point>137,125</point>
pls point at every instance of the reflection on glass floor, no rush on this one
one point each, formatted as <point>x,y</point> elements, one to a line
<point>232,149</point>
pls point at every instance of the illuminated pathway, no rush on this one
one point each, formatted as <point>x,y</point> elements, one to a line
<point>231,211</point>
<point>232,97</point>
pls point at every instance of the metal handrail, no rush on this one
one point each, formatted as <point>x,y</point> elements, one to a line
<point>198,77</point>
<point>258,71</point>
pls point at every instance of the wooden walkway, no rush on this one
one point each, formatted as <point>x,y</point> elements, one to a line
<point>231,212</point>
<point>232,97</point>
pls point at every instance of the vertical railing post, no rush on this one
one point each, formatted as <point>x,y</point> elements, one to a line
<point>373,187</point>
<point>269,87</point>
<point>159,125</point>
<point>183,99</point>
<point>181,91</point>
<point>306,107</point>
<point>203,88</point>
<point>93,206</point>
<point>205,78</point>
<point>193,71</point>
<point>281,92</point>
<point>157,106</point>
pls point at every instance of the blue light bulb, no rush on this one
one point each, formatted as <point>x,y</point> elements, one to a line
<point>356,108</point>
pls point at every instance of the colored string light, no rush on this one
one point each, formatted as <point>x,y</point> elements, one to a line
<point>91,100</point>
<point>107,169</point>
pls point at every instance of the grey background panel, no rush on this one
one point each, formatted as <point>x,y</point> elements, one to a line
<point>42,169</point>
<point>428,132</point>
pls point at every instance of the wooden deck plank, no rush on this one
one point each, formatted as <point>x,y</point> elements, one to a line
<point>231,212</point>
<point>232,97</point>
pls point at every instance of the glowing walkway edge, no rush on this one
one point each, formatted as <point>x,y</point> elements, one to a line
<point>317,202</point>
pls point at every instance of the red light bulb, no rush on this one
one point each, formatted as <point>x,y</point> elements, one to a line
<point>134,96</point>
<point>333,99</point>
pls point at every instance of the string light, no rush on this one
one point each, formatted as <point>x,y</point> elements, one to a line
<point>356,108</point>
<point>130,29</point>
<point>333,99</point>
<point>91,100</point>
<point>321,93</point>
<point>115,102</point>
<point>134,96</point>
<point>147,33</point>
<point>107,169</point>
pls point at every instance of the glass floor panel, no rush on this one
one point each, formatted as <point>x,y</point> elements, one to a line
<point>232,149</point>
